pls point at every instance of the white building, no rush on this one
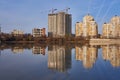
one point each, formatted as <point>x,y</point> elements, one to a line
<point>17,32</point>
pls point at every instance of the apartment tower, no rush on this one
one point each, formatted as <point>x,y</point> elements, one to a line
<point>59,24</point>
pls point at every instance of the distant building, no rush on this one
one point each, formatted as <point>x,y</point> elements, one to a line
<point>59,24</point>
<point>112,29</point>
<point>87,28</point>
<point>39,32</point>
<point>17,32</point>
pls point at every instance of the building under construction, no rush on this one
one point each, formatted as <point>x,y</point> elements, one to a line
<point>59,24</point>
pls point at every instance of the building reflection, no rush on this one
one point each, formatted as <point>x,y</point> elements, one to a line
<point>17,49</point>
<point>59,58</point>
<point>38,50</point>
<point>112,54</point>
<point>86,54</point>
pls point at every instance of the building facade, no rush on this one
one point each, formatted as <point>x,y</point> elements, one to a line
<point>39,32</point>
<point>87,28</point>
<point>112,29</point>
<point>17,32</point>
<point>59,24</point>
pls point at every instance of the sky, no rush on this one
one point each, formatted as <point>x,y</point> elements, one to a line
<point>28,14</point>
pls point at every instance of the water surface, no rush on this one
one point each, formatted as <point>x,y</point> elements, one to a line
<point>60,62</point>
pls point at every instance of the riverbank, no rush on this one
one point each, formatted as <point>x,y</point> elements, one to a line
<point>68,41</point>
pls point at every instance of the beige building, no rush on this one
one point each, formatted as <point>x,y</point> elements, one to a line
<point>59,24</point>
<point>87,28</point>
<point>39,32</point>
<point>107,30</point>
<point>79,29</point>
<point>59,58</point>
<point>111,53</point>
<point>86,54</point>
<point>112,29</point>
<point>17,32</point>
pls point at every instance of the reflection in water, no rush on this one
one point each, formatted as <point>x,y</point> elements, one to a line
<point>17,49</point>
<point>112,53</point>
<point>0,52</point>
<point>38,50</point>
<point>59,58</point>
<point>86,54</point>
<point>75,62</point>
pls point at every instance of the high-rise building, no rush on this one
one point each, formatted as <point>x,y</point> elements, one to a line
<point>59,24</point>
<point>79,29</point>
<point>38,32</point>
<point>112,29</point>
<point>87,28</point>
<point>107,31</point>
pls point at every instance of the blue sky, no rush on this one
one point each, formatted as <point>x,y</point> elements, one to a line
<point>28,14</point>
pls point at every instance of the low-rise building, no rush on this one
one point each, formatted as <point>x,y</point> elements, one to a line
<point>17,32</point>
<point>39,32</point>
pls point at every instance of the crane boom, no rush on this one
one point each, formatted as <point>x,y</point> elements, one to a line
<point>52,10</point>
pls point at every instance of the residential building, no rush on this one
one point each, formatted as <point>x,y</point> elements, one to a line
<point>112,29</point>
<point>79,29</point>
<point>87,28</point>
<point>59,24</point>
<point>107,31</point>
<point>39,32</point>
<point>17,32</point>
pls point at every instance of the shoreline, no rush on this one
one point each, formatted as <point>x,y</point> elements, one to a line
<point>71,41</point>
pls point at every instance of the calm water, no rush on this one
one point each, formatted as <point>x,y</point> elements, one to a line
<point>81,62</point>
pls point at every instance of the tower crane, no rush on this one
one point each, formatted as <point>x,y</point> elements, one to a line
<point>52,11</point>
<point>49,11</point>
<point>66,10</point>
